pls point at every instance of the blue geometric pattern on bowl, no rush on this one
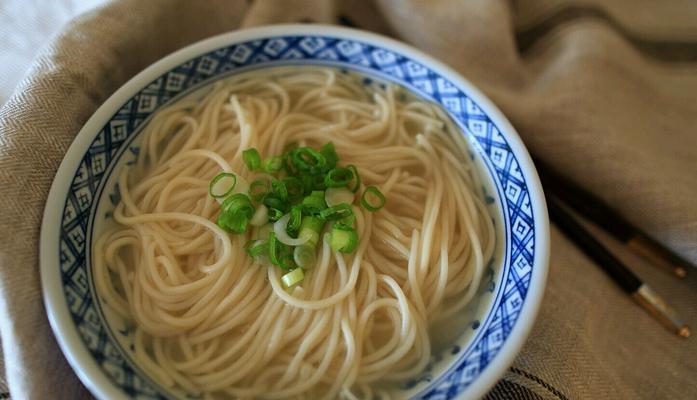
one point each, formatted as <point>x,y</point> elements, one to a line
<point>284,50</point>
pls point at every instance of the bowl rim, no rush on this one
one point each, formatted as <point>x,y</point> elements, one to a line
<point>65,330</point>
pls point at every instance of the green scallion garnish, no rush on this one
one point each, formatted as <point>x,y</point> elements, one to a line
<point>236,211</point>
<point>356,178</point>
<point>295,219</point>
<point>288,210</point>
<point>374,204</point>
<point>339,211</point>
<point>293,277</point>
<point>311,227</point>
<point>251,159</point>
<point>343,239</point>
<point>294,187</point>
<point>338,177</point>
<point>216,192</point>
<point>273,164</point>
<point>330,155</point>
<point>280,190</point>
<point>308,159</point>
<point>304,256</point>
<point>314,203</point>
<point>274,249</point>
<point>275,214</point>
<point>259,188</point>
<point>256,248</point>
<point>286,261</point>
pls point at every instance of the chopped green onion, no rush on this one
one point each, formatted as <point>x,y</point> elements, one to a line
<point>293,277</point>
<point>311,227</point>
<point>272,201</point>
<point>280,228</point>
<point>236,212</point>
<point>338,177</point>
<point>237,202</point>
<point>292,207</point>
<point>295,219</point>
<point>294,187</point>
<point>343,239</point>
<point>339,211</point>
<point>280,190</point>
<point>224,220</point>
<point>336,196</point>
<point>256,248</point>
<point>308,159</point>
<point>259,188</point>
<point>252,159</point>
<point>330,155</point>
<point>286,262</point>
<point>318,182</point>
<point>275,214</point>
<point>376,205</point>
<point>304,256</point>
<point>272,164</point>
<point>308,182</point>
<point>218,178</point>
<point>356,178</point>
<point>288,166</point>
<point>274,249</point>
<point>314,203</point>
<point>235,223</point>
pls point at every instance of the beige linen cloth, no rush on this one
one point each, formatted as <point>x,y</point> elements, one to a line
<point>605,91</point>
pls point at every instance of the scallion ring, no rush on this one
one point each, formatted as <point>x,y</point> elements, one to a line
<point>259,188</point>
<point>294,187</point>
<point>274,249</point>
<point>336,212</point>
<point>356,178</point>
<point>279,189</point>
<point>293,277</point>
<point>306,158</point>
<point>330,155</point>
<point>217,181</point>
<point>338,177</point>
<point>252,159</point>
<point>272,201</point>
<point>286,261</point>
<point>275,214</point>
<point>273,164</point>
<point>295,219</point>
<point>256,248</point>
<point>375,204</point>
<point>314,203</point>
<point>343,239</point>
<point>304,256</point>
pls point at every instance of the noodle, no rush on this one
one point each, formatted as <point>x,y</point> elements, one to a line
<point>212,321</point>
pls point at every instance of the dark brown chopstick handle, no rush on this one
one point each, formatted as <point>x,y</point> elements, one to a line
<point>604,216</point>
<point>593,249</point>
<point>649,300</point>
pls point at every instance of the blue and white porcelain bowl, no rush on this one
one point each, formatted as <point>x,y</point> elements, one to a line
<point>497,323</point>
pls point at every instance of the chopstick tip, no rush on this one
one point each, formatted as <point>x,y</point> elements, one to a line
<point>684,331</point>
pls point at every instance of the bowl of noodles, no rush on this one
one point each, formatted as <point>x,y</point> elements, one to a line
<point>294,211</point>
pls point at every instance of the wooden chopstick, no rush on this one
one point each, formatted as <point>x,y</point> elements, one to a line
<point>623,276</point>
<point>604,216</point>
